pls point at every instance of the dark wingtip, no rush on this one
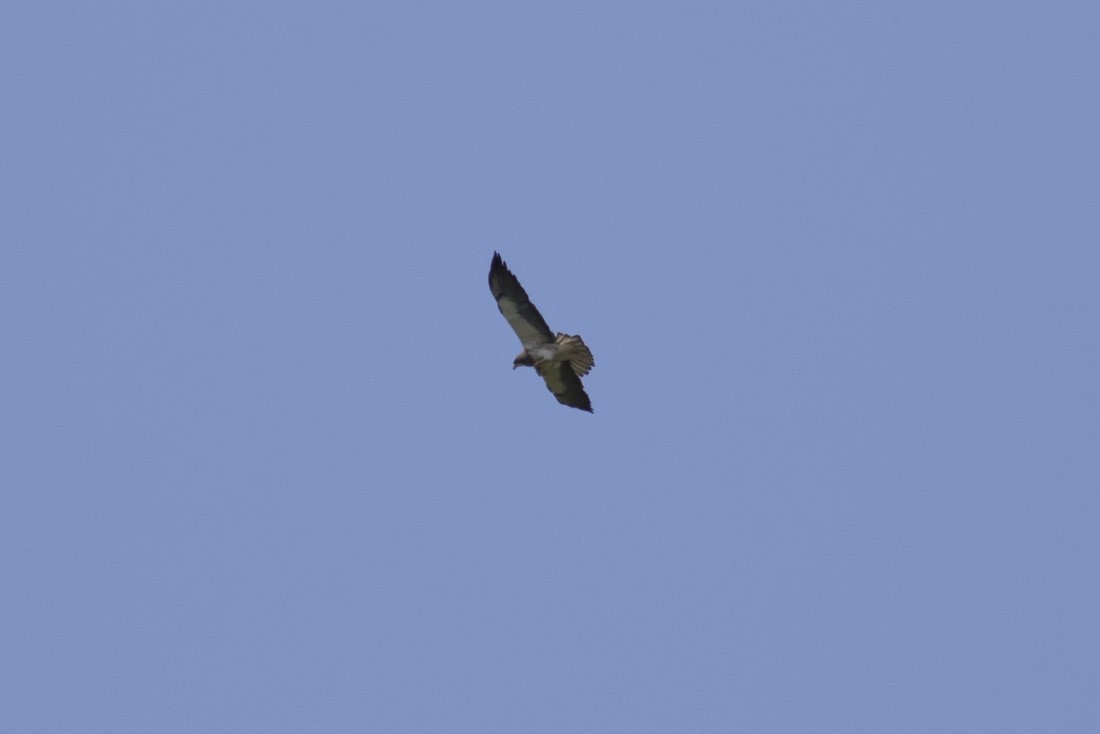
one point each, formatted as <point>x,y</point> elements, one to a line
<point>586,406</point>
<point>495,267</point>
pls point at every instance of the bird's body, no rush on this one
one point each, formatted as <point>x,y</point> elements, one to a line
<point>564,348</point>
<point>561,359</point>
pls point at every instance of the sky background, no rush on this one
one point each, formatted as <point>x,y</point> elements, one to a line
<point>264,463</point>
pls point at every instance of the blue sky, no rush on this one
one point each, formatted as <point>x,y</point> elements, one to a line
<point>265,465</point>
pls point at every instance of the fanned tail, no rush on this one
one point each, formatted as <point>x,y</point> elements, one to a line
<point>577,353</point>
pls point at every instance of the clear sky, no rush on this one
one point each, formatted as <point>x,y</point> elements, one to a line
<point>265,465</point>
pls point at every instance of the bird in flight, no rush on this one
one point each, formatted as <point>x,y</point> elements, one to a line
<point>562,360</point>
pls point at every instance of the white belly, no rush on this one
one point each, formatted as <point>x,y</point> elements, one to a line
<point>544,352</point>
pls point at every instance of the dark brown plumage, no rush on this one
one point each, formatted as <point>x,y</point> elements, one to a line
<point>559,358</point>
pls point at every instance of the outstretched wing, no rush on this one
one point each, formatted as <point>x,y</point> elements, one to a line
<point>514,305</point>
<point>566,386</point>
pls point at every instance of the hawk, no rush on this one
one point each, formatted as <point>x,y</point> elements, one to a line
<point>559,358</point>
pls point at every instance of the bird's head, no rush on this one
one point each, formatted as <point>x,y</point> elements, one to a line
<point>523,359</point>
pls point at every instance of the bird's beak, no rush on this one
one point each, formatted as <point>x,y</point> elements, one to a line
<point>514,366</point>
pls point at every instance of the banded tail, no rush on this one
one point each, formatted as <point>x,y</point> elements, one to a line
<point>576,352</point>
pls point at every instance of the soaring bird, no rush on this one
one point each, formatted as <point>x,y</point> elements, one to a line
<point>559,358</point>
